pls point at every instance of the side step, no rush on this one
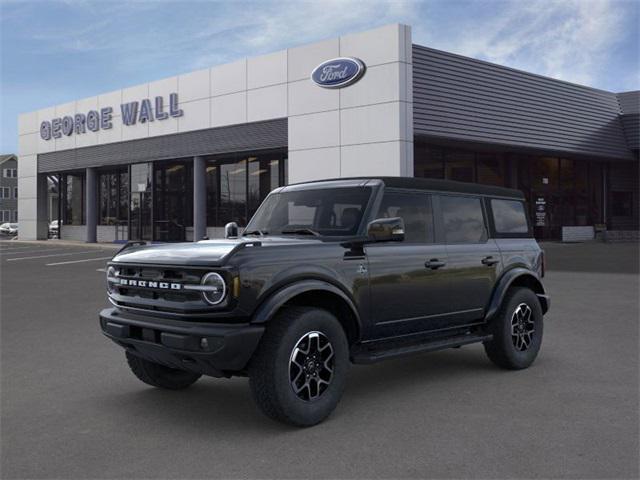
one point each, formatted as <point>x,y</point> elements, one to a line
<point>379,352</point>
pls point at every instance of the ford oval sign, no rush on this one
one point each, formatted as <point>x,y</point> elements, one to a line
<point>338,73</point>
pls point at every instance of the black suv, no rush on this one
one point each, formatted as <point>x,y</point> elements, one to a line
<point>330,273</point>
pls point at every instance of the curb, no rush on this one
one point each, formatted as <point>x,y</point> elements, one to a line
<point>67,243</point>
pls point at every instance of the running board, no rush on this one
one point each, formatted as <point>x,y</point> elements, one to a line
<point>373,354</point>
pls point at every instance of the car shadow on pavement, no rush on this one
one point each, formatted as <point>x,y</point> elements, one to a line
<point>226,406</point>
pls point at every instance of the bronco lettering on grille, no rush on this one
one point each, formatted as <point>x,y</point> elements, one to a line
<point>150,284</point>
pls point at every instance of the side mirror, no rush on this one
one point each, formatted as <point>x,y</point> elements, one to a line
<point>386,230</point>
<point>231,230</point>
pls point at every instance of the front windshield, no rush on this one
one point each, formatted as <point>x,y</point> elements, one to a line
<point>333,212</point>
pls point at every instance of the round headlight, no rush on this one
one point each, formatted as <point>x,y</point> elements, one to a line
<point>215,288</point>
<point>111,274</point>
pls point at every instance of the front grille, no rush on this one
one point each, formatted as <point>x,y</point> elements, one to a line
<point>156,288</point>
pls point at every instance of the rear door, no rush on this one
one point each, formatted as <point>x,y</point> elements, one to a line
<point>408,279</point>
<point>473,258</point>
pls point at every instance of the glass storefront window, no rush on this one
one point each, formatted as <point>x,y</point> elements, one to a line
<point>460,166</point>
<point>173,200</point>
<point>233,192</point>
<point>264,176</point>
<point>621,204</point>
<point>141,177</point>
<point>559,191</point>
<point>140,202</point>
<point>429,161</point>
<point>53,197</point>
<point>213,193</point>
<point>596,192</point>
<point>113,194</point>
<point>544,172</point>
<point>237,185</point>
<point>73,199</point>
<point>491,169</point>
<point>123,196</point>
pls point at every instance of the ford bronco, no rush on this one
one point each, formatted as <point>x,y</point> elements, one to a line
<point>330,273</point>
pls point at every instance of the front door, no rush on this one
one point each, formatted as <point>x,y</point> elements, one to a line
<point>408,279</point>
<point>173,201</point>
<point>473,259</point>
<point>140,204</point>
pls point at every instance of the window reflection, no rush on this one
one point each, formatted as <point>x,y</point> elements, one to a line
<point>463,219</point>
<point>490,169</point>
<point>73,199</point>
<point>113,197</point>
<point>460,166</point>
<point>237,185</point>
<point>173,200</point>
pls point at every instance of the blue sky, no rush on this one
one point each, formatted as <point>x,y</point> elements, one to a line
<point>57,51</point>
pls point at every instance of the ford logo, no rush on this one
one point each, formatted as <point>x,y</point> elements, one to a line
<point>338,73</point>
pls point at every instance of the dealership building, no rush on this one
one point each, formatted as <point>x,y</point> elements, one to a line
<point>178,158</point>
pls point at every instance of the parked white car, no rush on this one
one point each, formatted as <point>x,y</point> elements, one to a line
<point>9,228</point>
<point>54,229</point>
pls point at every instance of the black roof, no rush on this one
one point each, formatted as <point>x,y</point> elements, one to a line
<point>432,184</point>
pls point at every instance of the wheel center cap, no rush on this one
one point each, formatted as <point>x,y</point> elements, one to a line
<point>311,366</point>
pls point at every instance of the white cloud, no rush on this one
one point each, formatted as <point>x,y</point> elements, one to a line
<point>569,40</point>
<point>273,25</point>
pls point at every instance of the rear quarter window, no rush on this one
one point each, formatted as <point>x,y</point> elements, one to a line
<point>509,217</point>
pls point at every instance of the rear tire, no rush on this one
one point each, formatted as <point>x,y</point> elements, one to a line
<point>517,330</point>
<point>298,373</point>
<point>160,376</point>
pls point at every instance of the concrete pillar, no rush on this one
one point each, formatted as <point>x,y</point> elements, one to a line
<point>91,205</point>
<point>199,198</point>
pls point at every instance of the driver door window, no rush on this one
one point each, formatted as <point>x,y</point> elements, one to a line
<point>416,212</point>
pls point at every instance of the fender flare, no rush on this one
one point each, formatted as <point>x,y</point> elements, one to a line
<point>277,299</point>
<point>503,284</point>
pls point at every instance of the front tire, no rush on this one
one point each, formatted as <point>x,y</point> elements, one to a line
<point>517,330</point>
<point>298,372</point>
<point>160,376</point>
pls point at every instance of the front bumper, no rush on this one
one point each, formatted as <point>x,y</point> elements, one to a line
<point>179,344</point>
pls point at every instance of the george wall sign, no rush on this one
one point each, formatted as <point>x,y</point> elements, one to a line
<point>94,120</point>
<point>338,72</point>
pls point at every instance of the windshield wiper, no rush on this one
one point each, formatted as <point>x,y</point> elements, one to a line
<point>301,231</point>
<point>258,231</point>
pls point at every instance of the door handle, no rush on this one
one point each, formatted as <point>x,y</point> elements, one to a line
<point>434,264</point>
<point>489,261</point>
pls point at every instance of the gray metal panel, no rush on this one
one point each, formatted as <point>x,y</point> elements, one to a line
<point>236,138</point>
<point>630,107</point>
<point>631,127</point>
<point>461,98</point>
<point>629,101</point>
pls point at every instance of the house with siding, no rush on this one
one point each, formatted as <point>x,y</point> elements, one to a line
<point>8,188</point>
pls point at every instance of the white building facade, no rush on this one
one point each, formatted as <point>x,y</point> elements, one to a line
<point>330,132</point>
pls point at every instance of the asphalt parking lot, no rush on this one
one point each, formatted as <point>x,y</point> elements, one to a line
<point>71,409</point>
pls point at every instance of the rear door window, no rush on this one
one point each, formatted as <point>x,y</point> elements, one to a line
<point>509,216</point>
<point>463,220</point>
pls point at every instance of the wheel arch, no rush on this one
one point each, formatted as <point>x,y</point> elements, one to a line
<point>313,293</point>
<point>516,277</point>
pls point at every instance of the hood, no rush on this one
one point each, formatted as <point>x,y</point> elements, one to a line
<point>205,252</point>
